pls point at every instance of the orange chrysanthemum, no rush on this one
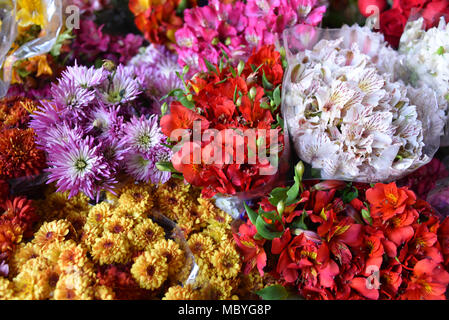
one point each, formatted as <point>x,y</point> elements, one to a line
<point>19,155</point>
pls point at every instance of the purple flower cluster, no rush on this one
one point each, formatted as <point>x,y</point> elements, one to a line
<point>239,28</point>
<point>155,68</point>
<point>91,134</point>
<point>92,44</point>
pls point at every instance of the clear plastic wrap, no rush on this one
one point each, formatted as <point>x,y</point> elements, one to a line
<point>349,108</point>
<point>35,47</point>
<point>427,57</point>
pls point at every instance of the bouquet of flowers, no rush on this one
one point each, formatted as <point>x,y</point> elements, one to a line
<point>350,117</point>
<point>239,28</point>
<point>335,240</point>
<point>227,126</point>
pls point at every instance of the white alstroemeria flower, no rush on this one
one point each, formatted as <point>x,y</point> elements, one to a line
<point>349,117</point>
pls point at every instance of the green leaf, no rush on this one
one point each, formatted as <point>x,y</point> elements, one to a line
<point>299,222</point>
<point>252,215</point>
<point>266,84</point>
<point>350,194</point>
<point>277,195</point>
<point>277,96</point>
<point>274,292</point>
<point>165,166</point>
<point>210,66</point>
<point>265,231</point>
<point>56,49</point>
<point>186,103</point>
<point>272,215</point>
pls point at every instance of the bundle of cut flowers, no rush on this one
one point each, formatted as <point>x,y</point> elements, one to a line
<point>427,55</point>
<point>239,27</point>
<point>92,134</point>
<point>226,126</point>
<point>350,115</point>
<point>120,248</point>
<point>334,240</point>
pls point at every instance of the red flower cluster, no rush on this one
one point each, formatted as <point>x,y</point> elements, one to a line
<point>16,222</point>
<point>343,243</point>
<point>158,19</point>
<point>228,103</point>
<point>19,155</point>
<point>393,20</point>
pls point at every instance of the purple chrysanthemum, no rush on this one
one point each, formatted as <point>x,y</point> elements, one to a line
<point>62,133</point>
<point>122,88</point>
<point>143,167</point>
<point>76,165</point>
<point>46,117</point>
<point>69,94</point>
<point>143,135</point>
<point>84,77</point>
<point>105,122</point>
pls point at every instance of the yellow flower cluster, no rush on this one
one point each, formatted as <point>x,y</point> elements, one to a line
<point>76,241</point>
<point>31,12</point>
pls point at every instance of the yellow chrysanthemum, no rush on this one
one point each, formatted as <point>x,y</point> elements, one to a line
<point>150,270</point>
<point>50,232</point>
<point>23,253</point>
<point>137,199</point>
<point>31,12</point>
<point>31,282</point>
<point>104,293</point>
<point>6,289</point>
<point>73,256</point>
<point>182,293</point>
<point>201,245</point>
<point>249,284</point>
<point>220,232</point>
<point>53,207</point>
<point>176,199</point>
<point>74,287</point>
<point>119,225</point>
<point>226,261</point>
<point>99,214</point>
<point>217,288</point>
<point>77,219</point>
<point>145,233</point>
<point>173,254</point>
<point>111,248</point>
<point>91,232</point>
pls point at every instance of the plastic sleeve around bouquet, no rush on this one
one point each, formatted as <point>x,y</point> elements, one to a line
<point>35,47</point>
<point>349,108</point>
<point>427,59</point>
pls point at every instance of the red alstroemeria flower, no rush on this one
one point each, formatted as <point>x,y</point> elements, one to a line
<point>387,200</point>
<point>181,117</point>
<point>304,258</point>
<point>252,250</point>
<point>272,64</point>
<point>429,282</point>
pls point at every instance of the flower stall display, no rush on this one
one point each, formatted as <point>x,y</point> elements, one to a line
<point>352,117</point>
<point>145,150</point>
<point>226,127</point>
<point>335,240</point>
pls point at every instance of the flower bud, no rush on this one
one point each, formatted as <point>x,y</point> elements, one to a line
<point>215,41</point>
<point>240,67</point>
<point>299,169</point>
<point>252,93</point>
<point>109,65</point>
<point>228,41</point>
<point>280,207</point>
<point>238,103</point>
<point>164,108</point>
<point>185,69</point>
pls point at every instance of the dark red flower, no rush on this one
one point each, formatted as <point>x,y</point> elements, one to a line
<point>392,24</point>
